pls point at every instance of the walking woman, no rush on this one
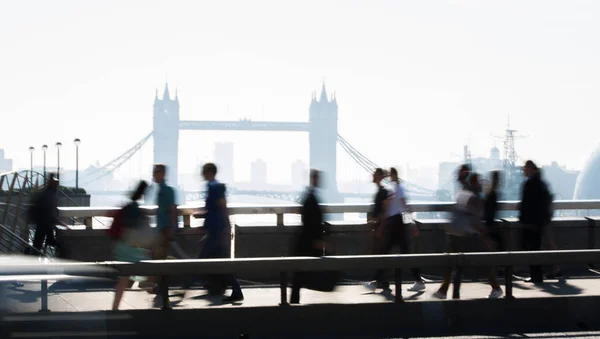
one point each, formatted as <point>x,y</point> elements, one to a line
<point>134,240</point>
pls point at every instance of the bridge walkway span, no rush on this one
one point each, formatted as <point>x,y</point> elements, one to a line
<point>96,295</point>
<point>80,310</point>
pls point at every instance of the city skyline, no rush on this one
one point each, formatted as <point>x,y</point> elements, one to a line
<point>452,75</point>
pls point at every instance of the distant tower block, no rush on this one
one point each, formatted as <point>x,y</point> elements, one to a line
<point>258,173</point>
<point>224,160</point>
<point>166,133</point>
<point>323,118</point>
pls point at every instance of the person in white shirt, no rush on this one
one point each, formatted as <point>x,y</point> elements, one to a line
<point>393,232</point>
<point>466,234</point>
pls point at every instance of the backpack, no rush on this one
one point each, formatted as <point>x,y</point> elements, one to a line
<point>115,231</point>
<point>548,200</point>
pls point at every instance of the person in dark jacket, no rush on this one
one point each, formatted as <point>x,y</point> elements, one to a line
<point>378,221</point>
<point>490,210</point>
<point>533,214</point>
<point>310,240</point>
<point>45,216</point>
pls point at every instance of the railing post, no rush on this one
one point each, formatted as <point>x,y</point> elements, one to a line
<point>508,275</point>
<point>279,219</point>
<point>163,291</point>
<point>591,236</point>
<point>44,298</point>
<point>283,287</point>
<point>398,284</point>
<point>187,220</point>
<point>88,222</point>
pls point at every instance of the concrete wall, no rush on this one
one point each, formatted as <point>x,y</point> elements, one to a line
<point>346,239</point>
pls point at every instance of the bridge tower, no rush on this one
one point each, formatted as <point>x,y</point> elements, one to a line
<point>323,118</point>
<point>166,133</point>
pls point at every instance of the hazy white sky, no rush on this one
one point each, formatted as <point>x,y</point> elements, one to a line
<point>429,75</point>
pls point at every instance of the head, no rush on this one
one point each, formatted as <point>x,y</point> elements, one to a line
<point>139,191</point>
<point>463,172</point>
<point>530,168</point>
<point>315,178</point>
<point>474,182</point>
<point>52,181</point>
<point>209,171</point>
<point>159,173</point>
<point>394,174</point>
<point>378,175</point>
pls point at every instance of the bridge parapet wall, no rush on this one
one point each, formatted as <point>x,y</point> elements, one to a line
<point>346,239</point>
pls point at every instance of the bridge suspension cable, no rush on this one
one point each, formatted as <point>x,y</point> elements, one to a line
<point>370,166</point>
<point>109,168</point>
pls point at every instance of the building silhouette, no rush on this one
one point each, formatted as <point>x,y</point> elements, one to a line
<point>258,173</point>
<point>166,138</point>
<point>299,174</point>
<point>223,156</point>
<point>5,164</point>
<point>323,118</point>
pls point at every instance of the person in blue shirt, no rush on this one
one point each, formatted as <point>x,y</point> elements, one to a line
<point>217,226</point>
<point>166,223</point>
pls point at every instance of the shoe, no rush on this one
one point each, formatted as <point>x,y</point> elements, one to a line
<point>374,285</point>
<point>439,295</point>
<point>234,299</point>
<point>534,281</point>
<point>496,294</point>
<point>418,286</point>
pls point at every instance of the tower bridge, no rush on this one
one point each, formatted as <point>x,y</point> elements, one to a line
<point>322,129</point>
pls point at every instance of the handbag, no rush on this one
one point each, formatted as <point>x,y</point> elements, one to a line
<point>324,281</point>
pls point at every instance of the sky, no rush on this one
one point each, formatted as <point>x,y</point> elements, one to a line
<point>414,80</point>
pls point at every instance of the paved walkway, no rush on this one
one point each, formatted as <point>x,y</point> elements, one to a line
<point>98,295</point>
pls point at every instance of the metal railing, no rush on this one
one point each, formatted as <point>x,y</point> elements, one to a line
<point>298,264</point>
<point>87,213</point>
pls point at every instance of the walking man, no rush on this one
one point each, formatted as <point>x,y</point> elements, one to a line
<point>166,222</point>
<point>44,213</point>
<point>534,214</point>
<point>394,232</point>
<point>310,240</point>
<point>218,227</point>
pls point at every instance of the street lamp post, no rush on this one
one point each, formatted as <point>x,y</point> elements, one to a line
<point>31,149</point>
<point>77,142</point>
<point>58,146</point>
<point>44,148</point>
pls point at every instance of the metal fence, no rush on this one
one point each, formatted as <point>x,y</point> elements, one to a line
<point>298,264</point>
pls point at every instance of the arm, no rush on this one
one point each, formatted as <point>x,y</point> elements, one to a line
<point>222,203</point>
<point>173,214</point>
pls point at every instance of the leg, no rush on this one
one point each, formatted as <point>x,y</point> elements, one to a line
<point>383,245</point>
<point>161,254</point>
<point>548,235</point>
<point>236,289</point>
<point>404,249</point>
<point>462,245</point>
<point>456,283</point>
<point>38,240</point>
<point>532,242</point>
<point>52,241</point>
<point>443,290</point>
<point>119,289</point>
<point>493,280</point>
<point>296,285</point>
